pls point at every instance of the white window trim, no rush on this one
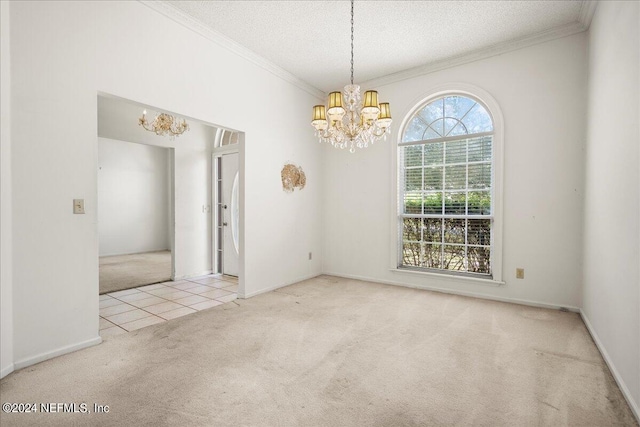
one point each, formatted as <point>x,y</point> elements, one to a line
<point>448,276</point>
<point>493,109</point>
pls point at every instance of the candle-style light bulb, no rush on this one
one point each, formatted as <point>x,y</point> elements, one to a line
<point>144,112</point>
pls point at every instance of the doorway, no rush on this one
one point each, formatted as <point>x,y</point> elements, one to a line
<point>134,214</point>
<point>195,282</point>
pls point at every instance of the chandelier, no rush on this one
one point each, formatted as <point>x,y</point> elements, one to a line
<point>352,122</point>
<point>164,124</point>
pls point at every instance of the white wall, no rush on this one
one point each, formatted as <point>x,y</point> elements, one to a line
<point>611,295</point>
<point>6,230</point>
<point>541,93</point>
<point>133,197</point>
<point>120,48</point>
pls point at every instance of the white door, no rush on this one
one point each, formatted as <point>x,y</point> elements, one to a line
<point>230,214</point>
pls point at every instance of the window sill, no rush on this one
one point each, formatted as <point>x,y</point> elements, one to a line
<point>451,277</point>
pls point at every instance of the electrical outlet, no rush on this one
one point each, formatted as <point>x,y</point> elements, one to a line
<point>310,256</point>
<point>519,273</point>
<point>78,206</point>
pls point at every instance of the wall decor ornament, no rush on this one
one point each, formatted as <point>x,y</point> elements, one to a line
<point>292,177</point>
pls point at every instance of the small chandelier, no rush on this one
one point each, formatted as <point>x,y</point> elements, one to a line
<point>164,124</point>
<point>360,123</point>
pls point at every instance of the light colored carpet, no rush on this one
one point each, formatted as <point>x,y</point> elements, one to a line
<point>120,272</point>
<point>336,352</point>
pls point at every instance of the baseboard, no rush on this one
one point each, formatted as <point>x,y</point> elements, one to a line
<point>55,353</point>
<point>6,370</point>
<point>273,288</point>
<point>457,292</point>
<point>136,253</point>
<point>190,276</point>
<point>616,376</point>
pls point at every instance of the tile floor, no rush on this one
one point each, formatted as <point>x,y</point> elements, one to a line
<point>131,309</point>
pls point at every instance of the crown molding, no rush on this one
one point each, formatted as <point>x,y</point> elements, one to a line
<point>498,49</point>
<point>191,23</point>
<point>587,10</point>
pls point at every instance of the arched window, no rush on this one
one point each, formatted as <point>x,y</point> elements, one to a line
<point>446,187</point>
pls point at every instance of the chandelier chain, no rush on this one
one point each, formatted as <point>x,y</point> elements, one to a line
<point>352,41</point>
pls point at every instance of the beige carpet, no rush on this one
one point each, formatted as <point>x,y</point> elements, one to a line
<point>336,352</point>
<point>130,271</point>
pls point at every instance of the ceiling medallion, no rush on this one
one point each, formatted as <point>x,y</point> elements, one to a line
<point>164,124</point>
<point>360,123</point>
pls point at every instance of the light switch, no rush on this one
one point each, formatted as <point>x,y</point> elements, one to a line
<point>78,206</point>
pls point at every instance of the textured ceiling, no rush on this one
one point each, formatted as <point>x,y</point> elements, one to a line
<point>311,39</point>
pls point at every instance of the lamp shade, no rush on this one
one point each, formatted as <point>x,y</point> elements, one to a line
<point>319,120</point>
<point>385,111</point>
<point>370,99</point>
<point>319,113</point>
<point>384,118</point>
<point>370,108</point>
<point>335,103</point>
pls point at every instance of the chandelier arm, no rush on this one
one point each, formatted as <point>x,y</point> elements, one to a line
<point>149,127</point>
<point>145,125</point>
<point>378,132</point>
